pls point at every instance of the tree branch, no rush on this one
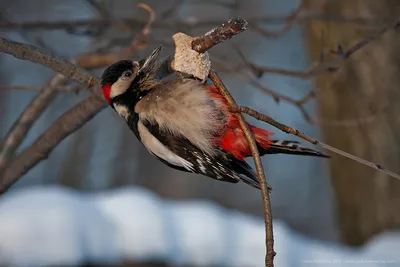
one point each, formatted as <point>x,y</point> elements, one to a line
<point>201,44</point>
<point>42,100</point>
<point>299,103</point>
<point>217,35</point>
<point>289,130</point>
<point>161,24</point>
<point>74,118</point>
<point>69,89</point>
<point>323,67</point>
<point>25,121</point>
<point>67,70</point>
<point>269,236</point>
<point>68,123</point>
<point>36,55</point>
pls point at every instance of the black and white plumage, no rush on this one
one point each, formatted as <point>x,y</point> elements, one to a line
<point>155,112</point>
<point>179,121</point>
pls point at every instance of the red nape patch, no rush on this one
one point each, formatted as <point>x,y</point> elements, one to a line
<point>106,92</point>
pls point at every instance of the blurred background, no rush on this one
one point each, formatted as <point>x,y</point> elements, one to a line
<point>334,212</point>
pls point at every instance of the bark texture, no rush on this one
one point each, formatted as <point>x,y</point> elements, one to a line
<point>365,97</point>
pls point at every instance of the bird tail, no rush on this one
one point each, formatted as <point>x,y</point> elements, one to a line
<point>288,147</point>
<point>267,146</point>
<point>247,174</point>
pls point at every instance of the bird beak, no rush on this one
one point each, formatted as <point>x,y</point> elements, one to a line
<point>148,63</point>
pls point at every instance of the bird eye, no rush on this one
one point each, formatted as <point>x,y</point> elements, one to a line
<point>128,73</point>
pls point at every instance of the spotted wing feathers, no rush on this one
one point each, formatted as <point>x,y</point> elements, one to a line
<point>221,166</point>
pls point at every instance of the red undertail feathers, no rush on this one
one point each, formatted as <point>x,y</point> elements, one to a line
<point>233,139</point>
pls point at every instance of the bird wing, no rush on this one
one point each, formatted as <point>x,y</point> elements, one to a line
<point>179,153</point>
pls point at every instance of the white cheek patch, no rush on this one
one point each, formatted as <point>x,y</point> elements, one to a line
<point>119,87</point>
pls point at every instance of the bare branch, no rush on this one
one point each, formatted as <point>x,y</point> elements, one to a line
<point>31,113</point>
<point>327,66</point>
<point>330,66</point>
<point>82,112</point>
<point>289,130</point>
<point>36,55</point>
<point>105,14</point>
<point>66,69</point>
<point>140,40</point>
<point>161,24</point>
<point>299,103</point>
<point>34,88</point>
<point>201,44</point>
<point>217,35</point>
<point>91,60</point>
<point>152,17</point>
<point>68,123</point>
<point>25,121</point>
<point>269,258</point>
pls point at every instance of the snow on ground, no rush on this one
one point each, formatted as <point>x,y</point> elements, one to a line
<point>53,225</point>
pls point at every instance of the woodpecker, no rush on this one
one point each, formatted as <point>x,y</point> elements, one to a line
<point>185,123</point>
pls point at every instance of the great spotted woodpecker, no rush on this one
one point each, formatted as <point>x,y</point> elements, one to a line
<point>185,123</point>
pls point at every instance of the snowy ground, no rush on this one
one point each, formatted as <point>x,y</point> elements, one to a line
<point>55,225</point>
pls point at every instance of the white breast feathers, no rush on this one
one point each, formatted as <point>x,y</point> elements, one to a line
<point>155,147</point>
<point>184,109</point>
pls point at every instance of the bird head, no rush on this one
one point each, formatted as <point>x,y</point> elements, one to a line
<point>126,76</point>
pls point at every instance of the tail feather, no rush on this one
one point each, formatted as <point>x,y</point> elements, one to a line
<point>247,174</point>
<point>289,147</point>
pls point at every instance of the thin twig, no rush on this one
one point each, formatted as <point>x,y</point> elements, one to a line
<point>289,22</point>
<point>289,130</point>
<point>152,17</point>
<point>91,60</point>
<point>161,24</point>
<point>299,103</point>
<point>105,14</point>
<point>316,70</point>
<point>269,242</point>
<point>140,40</point>
<point>323,66</point>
